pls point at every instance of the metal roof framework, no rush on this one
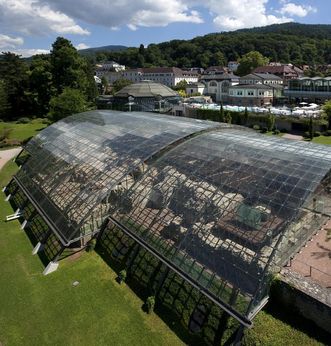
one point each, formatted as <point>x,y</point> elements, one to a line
<point>221,205</point>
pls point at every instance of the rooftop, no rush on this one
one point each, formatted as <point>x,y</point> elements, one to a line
<point>173,70</point>
<point>261,76</point>
<point>146,89</point>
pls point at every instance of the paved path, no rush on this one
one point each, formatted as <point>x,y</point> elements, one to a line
<point>6,155</point>
<point>290,136</point>
<point>314,259</point>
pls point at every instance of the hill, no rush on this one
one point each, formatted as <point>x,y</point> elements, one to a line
<point>320,31</point>
<point>289,42</point>
<point>111,48</point>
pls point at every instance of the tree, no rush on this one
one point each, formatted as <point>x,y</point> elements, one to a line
<point>270,122</point>
<point>227,117</point>
<point>217,59</point>
<point>4,105</point>
<point>40,84</point>
<point>311,128</point>
<point>14,74</point>
<point>105,84</point>
<point>69,69</point>
<point>327,111</point>
<point>221,117</point>
<point>181,85</point>
<point>70,101</point>
<point>245,117</point>
<point>141,50</point>
<point>120,84</point>
<point>251,61</point>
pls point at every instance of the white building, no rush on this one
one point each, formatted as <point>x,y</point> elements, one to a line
<point>111,66</point>
<point>217,85</point>
<point>169,76</point>
<point>104,70</point>
<point>195,89</point>
<point>251,95</point>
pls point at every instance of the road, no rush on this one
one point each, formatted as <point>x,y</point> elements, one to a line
<point>6,155</point>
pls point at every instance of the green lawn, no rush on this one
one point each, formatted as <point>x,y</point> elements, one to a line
<point>48,310</point>
<point>270,331</point>
<point>23,131</point>
<point>322,140</point>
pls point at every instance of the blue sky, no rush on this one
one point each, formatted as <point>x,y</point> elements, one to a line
<point>30,26</point>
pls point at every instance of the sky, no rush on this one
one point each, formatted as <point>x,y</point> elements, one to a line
<point>29,27</point>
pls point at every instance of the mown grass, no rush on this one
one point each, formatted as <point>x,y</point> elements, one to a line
<point>21,132</point>
<point>268,330</point>
<point>322,140</point>
<point>48,310</point>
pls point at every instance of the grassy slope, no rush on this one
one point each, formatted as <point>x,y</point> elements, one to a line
<point>48,310</point>
<point>322,140</point>
<point>23,131</point>
<point>270,331</point>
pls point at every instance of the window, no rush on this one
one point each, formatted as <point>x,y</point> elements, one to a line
<point>250,93</point>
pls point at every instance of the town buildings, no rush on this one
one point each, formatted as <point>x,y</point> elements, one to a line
<point>169,76</point>
<point>284,71</point>
<point>312,89</point>
<point>256,89</point>
<point>272,84</point>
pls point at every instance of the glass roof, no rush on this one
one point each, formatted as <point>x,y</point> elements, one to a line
<point>75,162</point>
<point>217,202</point>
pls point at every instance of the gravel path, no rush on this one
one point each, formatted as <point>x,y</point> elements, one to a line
<point>6,155</point>
<point>290,136</point>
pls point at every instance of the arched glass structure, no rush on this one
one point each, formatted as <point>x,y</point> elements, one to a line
<point>221,205</point>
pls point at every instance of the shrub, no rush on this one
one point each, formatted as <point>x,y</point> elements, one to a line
<point>91,245</point>
<point>276,132</point>
<point>150,303</point>
<point>264,129</point>
<point>317,134</point>
<point>284,131</point>
<point>256,127</point>
<point>46,121</point>
<point>23,121</point>
<point>122,276</point>
<point>4,143</point>
<point>327,133</point>
<point>4,134</point>
<point>306,134</point>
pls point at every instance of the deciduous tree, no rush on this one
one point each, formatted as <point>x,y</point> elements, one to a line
<point>70,101</point>
<point>250,61</point>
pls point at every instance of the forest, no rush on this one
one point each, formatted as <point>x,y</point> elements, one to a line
<point>290,42</point>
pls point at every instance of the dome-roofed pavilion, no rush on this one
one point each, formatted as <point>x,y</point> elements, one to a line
<point>146,96</point>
